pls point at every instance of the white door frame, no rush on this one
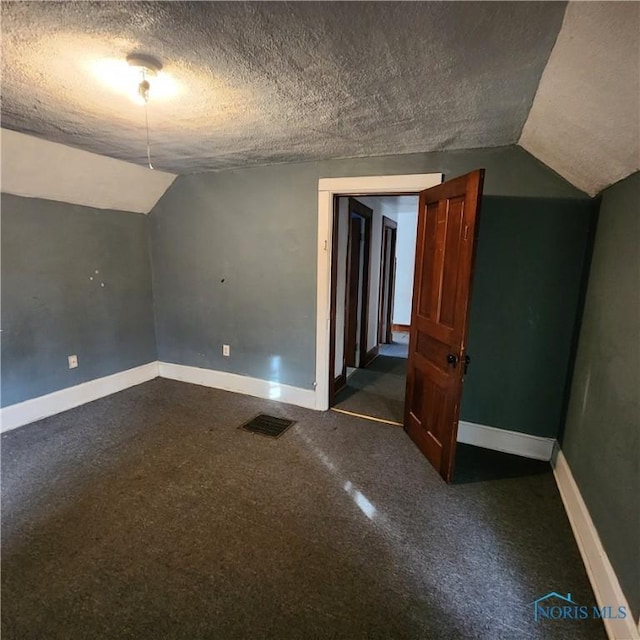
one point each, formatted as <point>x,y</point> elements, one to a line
<point>327,189</point>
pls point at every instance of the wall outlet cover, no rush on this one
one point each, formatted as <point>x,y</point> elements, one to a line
<point>73,362</point>
<point>226,350</point>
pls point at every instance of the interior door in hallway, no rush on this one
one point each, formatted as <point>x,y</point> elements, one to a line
<point>354,279</point>
<point>357,287</point>
<point>447,228</point>
<point>387,277</point>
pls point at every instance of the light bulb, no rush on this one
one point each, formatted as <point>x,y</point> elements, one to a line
<point>125,79</point>
<point>143,89</point>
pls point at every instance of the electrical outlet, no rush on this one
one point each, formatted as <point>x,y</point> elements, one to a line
<point>73,362</point>
<point>226,350</point>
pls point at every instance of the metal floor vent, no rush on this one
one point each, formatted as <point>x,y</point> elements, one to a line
<point>267,425</point>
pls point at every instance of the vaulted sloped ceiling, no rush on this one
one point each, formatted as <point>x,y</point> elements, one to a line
<point>585,119</point>
<point>36,168</point>
<point>270,82</point>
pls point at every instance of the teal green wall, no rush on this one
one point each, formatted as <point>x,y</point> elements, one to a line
<point>234,261</point>
<point>55,256</point>
<point>601,440</point>
<point>529,267</point>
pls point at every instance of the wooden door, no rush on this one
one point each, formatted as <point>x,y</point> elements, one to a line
<point>447,227</point>
<point>387,278</point>
<point>352,290</point>
<point>357,289</point>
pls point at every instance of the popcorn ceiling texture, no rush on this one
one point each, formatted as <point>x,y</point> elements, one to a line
<point>273,82</point>
<point>585,119</point>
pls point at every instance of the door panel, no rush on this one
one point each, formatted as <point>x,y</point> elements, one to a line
<point>447,224</point>
<point>452,249</point>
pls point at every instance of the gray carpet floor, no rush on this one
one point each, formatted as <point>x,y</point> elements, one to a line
<point>149,515</point>
<point>398,348</point>
<point>377,391</point>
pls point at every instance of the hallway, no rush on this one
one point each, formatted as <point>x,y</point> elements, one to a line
<point>378,390</point>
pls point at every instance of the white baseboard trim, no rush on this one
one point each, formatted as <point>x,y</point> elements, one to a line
<point>601,574</point>
<point>239,384</point>
<point>520,444</point>
<point>17,415</point>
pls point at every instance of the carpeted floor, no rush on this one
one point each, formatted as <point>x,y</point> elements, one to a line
<point>474,464</point>
<point>377,391</point>
<point>398,348</point>
<point>149,515</point>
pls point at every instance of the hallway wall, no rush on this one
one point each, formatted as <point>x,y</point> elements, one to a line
<point>376,204</point>
<point>405,263</point>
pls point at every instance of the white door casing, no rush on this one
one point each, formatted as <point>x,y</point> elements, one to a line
<point>328,188</point>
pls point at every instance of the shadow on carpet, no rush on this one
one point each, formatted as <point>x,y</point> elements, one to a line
<point>475,464</point>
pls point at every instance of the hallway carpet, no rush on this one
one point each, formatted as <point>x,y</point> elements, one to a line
<point>399,348</point>
<point>150,515</point>
<point>377,391</point>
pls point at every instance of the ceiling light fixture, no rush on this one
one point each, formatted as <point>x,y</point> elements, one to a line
<point>147,67</point>
<point>124,77</point>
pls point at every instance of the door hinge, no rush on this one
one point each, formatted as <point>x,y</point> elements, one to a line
<point>325,245</point>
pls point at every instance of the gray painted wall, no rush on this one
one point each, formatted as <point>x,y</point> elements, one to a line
<point>234,261</point>
<point>602,435</point>
<point>50,306</point>
<point>529,269</point>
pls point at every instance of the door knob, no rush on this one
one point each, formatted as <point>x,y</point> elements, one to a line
<point>452,359</point>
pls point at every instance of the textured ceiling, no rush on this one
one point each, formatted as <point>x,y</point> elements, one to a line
<point>585,120</point>
<point>274,82</point>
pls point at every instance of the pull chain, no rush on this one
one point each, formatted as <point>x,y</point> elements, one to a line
<point>146,121</point>
<point>143,90</point>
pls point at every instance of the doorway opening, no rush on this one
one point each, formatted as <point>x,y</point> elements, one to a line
<point>328,190</point>
<point>373,255</point>
<point>444,251</point>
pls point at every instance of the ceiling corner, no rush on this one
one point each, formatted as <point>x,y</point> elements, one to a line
<point>584,120</point>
